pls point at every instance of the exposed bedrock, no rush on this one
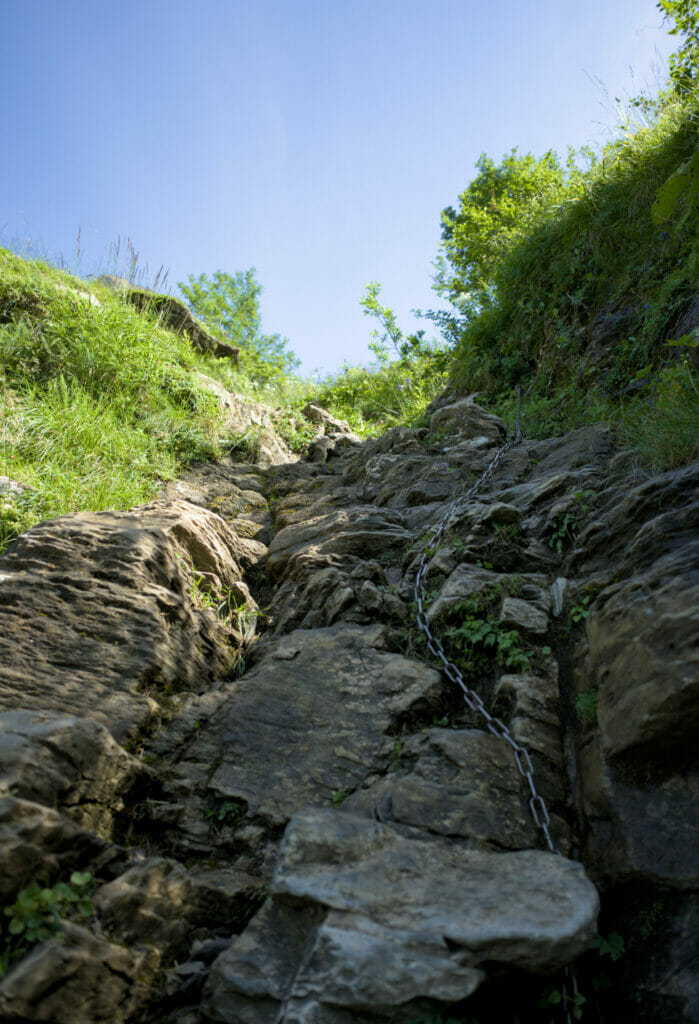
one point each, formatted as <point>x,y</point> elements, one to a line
<point>219,706</point>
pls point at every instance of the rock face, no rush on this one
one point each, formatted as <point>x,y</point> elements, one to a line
<point>311,826</point>
<point>174,315</point>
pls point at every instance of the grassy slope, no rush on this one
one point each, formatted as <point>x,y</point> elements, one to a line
<point>593,255</point>
<point>586,261</point>
<point>97,403</point>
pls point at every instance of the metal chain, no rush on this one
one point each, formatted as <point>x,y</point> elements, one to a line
<point>537,806</point>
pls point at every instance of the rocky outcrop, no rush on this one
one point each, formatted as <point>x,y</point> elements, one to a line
<point>173,314</point>
<point>312,826</point>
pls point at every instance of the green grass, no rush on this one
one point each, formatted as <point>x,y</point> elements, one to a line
<point>98,405</point>
<point>595,251</point>
<point>395,394</point>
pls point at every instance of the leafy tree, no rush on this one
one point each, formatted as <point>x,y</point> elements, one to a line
<point>495,210</point>
<point>229,305</point>
<point>684,64</point>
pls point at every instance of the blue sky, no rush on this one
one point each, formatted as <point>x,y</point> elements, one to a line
<point>317,141</point>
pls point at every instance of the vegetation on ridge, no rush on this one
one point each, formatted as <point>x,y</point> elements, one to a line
<point>575,283</point>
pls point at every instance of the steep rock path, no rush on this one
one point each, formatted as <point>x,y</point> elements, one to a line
<point>310,826</point>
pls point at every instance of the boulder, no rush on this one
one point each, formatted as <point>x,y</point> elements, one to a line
<point>98,617</point>
<point>70,764</point>
<point>77,978</point>
<point>386,928</point>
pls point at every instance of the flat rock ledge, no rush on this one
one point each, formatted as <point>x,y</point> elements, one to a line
<point>359,912</point>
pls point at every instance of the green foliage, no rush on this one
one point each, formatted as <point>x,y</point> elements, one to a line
<point>534,280</point>
<point>684,64</point>
<point>684,183</point>
<point>663,422</point>
<point>496,208</point>
<point>581,1006</point>
<point>554,997</point>
<point>475,639</point>
<point>338,796</point>
<point>566,524</point>
<point>395,391</point>
<point>586,707</point>
<point>296,433</point>
<point>579,612</point>
<point>613,946</point>
<point>38,913</point>
<point>396,754</point>
<point>224,814</point>
<point>229,306</point>
<point>98,404</point>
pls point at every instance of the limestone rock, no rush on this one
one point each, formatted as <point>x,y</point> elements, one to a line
<point>70,764</point>
<point>81,980</point>
<point>518,614</point>
<point>160,903</point>
<point>128,628</point>
<point>37,842</point>
<point>452,782</point>
<point>309,720</point>
<point>328,423</point>
<point>468,420</point>
<point>361,530</point>
<point>393,930</point>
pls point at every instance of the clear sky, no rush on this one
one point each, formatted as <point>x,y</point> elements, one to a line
<point>317,140</point>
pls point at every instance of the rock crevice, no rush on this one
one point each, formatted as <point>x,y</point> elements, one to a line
<point>220,705</point>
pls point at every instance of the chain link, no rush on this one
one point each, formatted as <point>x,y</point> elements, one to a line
<point>473,701</point>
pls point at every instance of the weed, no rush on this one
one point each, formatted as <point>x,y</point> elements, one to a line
<point>566,523</point>
<point>648,920</point>
<point>444,722</point>
<point>612,947</point>
<point>224,814</point>
<point>579,612</point>
<point>297,435</point>
<point>396,755</point>
<point>554,997</point>
<point>38,913</point>
<point>663,425</point>
<point>474,633</point>
<point>586,707</point>
<point>338,796</point>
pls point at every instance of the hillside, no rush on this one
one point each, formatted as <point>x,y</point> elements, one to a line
<point>372,701</point>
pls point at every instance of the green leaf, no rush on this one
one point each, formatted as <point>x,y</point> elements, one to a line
<point>81,879</point>
<point>16,926</point>
<point>684,180</point>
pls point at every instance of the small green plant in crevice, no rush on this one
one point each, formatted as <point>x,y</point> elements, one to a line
<point>224,814</point>
<point>296,434</point>
<point>586,707</point>
<point>396,755</point>
<point>444,722</point>
<point>476,639</point>
<point>554,997</point>
<point>338,796</point>
<point>246,446</point>
<point>580,611</point>
<point>566,524</point>
<point>580,1005</point>
<point>649,919</point>
<point>38,914</point>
